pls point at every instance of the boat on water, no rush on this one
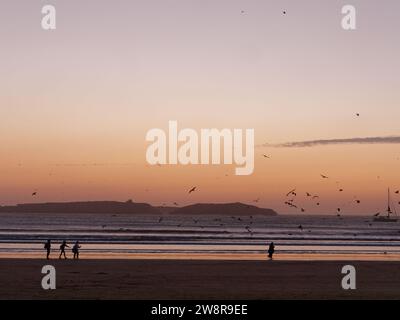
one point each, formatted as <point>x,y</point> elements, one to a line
<point>390,216</point>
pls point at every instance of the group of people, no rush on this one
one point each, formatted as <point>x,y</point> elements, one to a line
<point>75,249</point>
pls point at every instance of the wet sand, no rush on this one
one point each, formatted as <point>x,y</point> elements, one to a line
<point>198,279</point>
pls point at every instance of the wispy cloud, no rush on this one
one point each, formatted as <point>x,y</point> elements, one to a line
<point>315,143</point>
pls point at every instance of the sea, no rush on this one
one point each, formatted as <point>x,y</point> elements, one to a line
<point>124,236</point>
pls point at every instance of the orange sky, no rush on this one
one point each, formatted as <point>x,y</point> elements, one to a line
<point>77,102</point>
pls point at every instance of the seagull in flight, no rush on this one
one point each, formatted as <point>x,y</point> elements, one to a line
<point>192,190</point>
<point>290,192</point>
<point>324,176</point>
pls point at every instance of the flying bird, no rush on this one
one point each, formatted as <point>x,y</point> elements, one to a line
<point>308,194</point>
<point>290,192</point>
<point>284,12</point>
<point>377,214</point>
<point>192,190</point>
<point>34,194</point>
<point>324,176</point>
<point>358,201</point>
<point>397,191</point>
<point>265,156</point>
<point>357,114</point>
<point>302,210</point>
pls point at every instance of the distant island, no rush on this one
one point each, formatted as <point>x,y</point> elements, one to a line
<point>232,209</point>
<point>130,207</point>
<point>83,207</point>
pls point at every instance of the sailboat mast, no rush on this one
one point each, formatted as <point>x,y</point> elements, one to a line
<point>389,211</point>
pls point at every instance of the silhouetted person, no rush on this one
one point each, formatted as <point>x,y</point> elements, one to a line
<point>75,250</point>
<point>271,250</point>
<point>62,249</point>
<point>47,246</point>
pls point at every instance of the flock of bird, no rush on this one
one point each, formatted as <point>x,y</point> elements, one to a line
<point>293,194</point>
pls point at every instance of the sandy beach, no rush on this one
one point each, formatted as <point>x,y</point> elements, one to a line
<point>197,279</point>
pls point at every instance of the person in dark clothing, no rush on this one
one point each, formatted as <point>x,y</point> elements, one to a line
<point>75,250</point>
<point>271,250</point>
<point>47,246</point>
<point>62,249</point>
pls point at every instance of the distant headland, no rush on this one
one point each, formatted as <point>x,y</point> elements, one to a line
<point>130,207</point>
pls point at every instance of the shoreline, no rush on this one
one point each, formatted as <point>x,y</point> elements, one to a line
<point>372,257</point>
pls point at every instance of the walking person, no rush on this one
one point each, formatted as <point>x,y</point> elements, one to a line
<point>75,250</point>
<point>62,249</point>
<point>271,250</point>
<point>47,247</point>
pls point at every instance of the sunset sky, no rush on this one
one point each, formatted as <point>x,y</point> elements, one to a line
<point>76,102</point>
